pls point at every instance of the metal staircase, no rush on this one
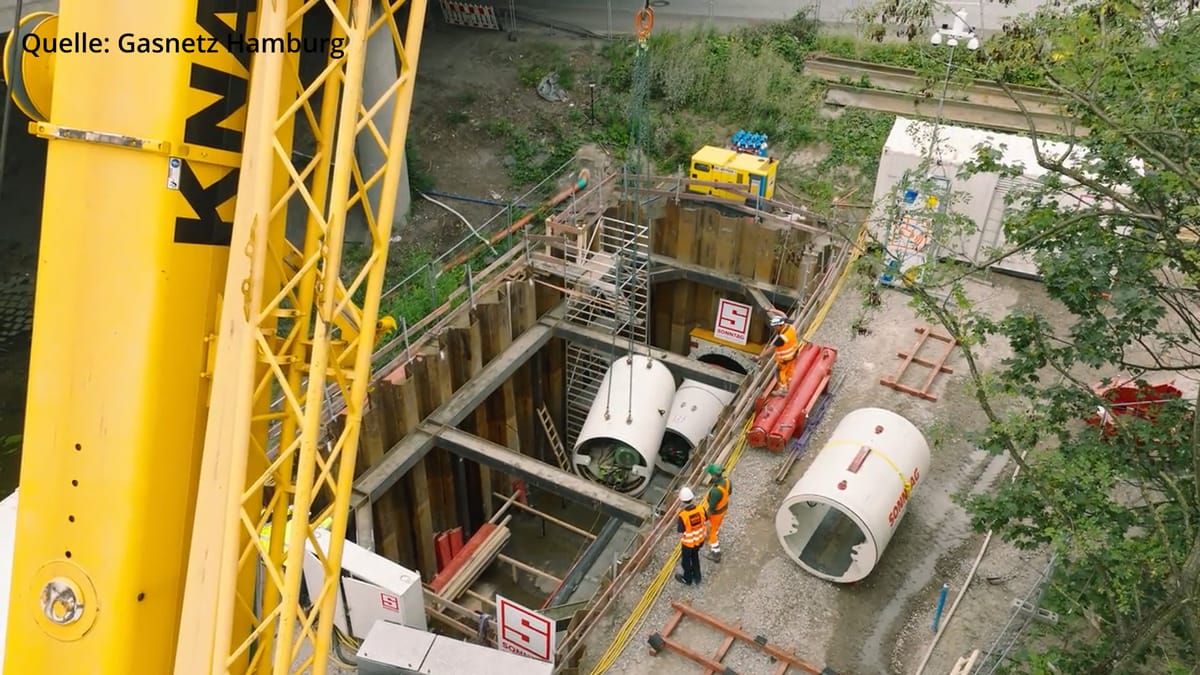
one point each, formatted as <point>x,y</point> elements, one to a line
<point>605,267</point>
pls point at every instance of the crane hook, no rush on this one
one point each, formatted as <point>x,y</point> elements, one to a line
<point>644,21</point>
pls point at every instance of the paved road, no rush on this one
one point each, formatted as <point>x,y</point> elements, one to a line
<point>8,9</point>
<point>593,15</point>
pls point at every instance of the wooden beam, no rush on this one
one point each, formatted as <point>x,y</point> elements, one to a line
<point>549,518</point>
<point>405,454</point>
<point>549,478</point>
<point>690,368</point>
<point>678,269</point>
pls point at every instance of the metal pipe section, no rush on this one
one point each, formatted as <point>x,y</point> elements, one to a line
<point>839,517</point>
<point>619,443</point>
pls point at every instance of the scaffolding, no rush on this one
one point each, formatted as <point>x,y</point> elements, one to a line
<point>604,264</point>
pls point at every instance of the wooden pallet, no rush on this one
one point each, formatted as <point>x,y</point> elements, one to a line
<point>786,661</point>
<point>913,356</point>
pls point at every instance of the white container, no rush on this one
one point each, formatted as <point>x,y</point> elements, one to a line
<point>980,197</point>
<point>618,444</point>
<point>372,588</point>
<point>8,543</point>
<point>839,517</point>
<point>694,412</point>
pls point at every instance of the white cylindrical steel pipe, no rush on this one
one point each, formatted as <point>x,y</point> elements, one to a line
<point>839,517</point>
<point>694,412</point>
<point>618,444</point>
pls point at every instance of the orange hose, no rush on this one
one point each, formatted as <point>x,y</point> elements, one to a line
<point>579,184</point>
<point>644,20</point>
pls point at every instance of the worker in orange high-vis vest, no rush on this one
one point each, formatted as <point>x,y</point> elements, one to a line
<point>715,507</point>
<point>691,525</point>
<point>787,346</point>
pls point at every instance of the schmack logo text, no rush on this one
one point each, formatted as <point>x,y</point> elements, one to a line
<point>287,44</point>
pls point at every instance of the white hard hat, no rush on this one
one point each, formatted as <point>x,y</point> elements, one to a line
<point>777,320</point>
<point>685,494</point>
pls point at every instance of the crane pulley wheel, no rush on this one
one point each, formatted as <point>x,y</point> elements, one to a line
<point>644,20</point>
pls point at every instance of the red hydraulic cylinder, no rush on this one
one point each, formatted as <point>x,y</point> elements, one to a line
<point>770,407</point>
<point>795,411</point>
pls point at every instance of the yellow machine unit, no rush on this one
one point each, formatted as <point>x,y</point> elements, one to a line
<point>752,173</point>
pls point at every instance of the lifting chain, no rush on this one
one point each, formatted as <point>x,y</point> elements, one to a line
<point>643,23</point>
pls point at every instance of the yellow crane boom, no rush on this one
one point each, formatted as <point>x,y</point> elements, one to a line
<point>157,290</point>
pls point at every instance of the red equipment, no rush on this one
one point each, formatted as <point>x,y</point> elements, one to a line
<point>795,413</point>
<point>1130,398</point>
<point>769,408</point>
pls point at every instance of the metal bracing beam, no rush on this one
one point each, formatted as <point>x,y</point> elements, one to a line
<point>692,369</point>
<point>404,455</point>
<point>536,472</point>
<point>584,563</point>
<point>677,269</point>
<point>764,303</point>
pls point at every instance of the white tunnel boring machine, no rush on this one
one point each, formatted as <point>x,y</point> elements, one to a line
<point>619,443</point>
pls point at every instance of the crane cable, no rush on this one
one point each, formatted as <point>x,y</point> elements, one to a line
<point>637,617</point>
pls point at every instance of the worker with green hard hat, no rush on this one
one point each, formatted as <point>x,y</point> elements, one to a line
<point>716,505</point>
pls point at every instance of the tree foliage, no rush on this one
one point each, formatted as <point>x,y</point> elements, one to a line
<point>1113,226</point>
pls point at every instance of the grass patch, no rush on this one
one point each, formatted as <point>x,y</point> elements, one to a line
<point>419,178</point>
<point>535,151</point>
<point>540,59</point>
<point>930,61</point>
<point>704,85</point>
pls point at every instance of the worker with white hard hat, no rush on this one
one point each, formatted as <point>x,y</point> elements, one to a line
<point>691,525</point>
<point>787,346</point>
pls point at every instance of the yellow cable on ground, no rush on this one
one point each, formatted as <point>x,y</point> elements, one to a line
<point>637,617</point>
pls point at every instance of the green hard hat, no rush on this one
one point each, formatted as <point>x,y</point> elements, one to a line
<point>715,469</point>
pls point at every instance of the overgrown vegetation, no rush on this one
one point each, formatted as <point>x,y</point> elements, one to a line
<point>1114,232</point>
<point>705,84</point>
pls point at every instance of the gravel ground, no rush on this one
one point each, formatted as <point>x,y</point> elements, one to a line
<point>883,623</point>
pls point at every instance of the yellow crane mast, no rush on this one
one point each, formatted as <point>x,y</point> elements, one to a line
<point>170,317</point>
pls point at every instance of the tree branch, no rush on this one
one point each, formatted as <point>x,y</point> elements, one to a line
<point>1132,139</point>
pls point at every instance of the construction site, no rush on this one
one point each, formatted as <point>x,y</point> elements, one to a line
<point>585,350</point>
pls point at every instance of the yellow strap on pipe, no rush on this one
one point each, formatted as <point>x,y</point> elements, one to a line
<point>875,451</point>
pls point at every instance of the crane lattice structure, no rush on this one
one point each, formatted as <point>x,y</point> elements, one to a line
<point>283,331</point>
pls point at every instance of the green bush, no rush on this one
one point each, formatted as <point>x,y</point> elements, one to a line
<point>857,137</point>
<point>729,78</point>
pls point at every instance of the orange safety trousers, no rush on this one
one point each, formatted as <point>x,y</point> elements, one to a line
<point>786,369</point>
<point>714,524</point>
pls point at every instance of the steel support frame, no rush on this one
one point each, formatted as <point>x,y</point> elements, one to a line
<point>254,363</point>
